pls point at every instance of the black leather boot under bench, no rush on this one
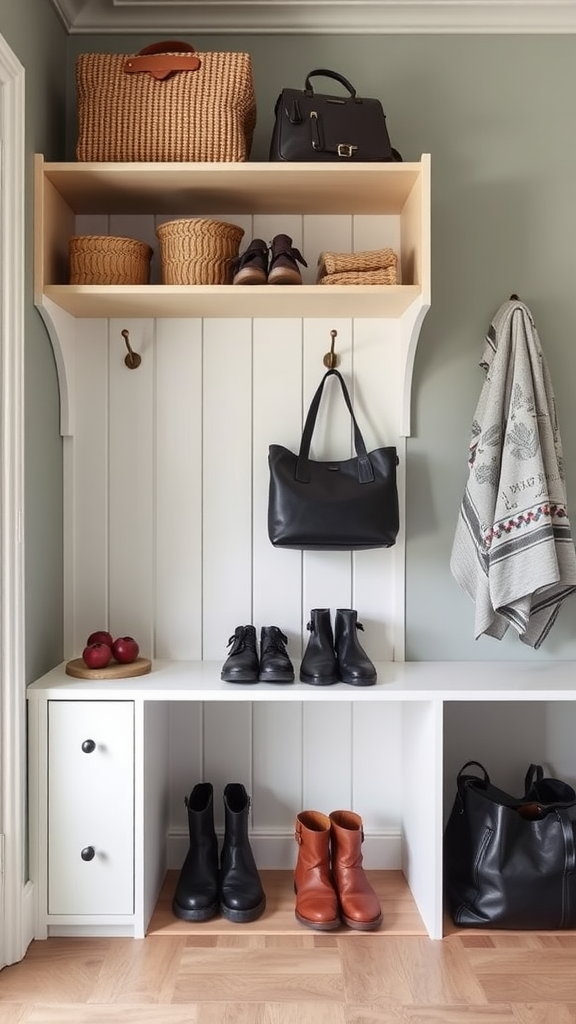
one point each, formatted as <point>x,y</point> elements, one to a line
<point>196,897</point>
<point>242,897</point>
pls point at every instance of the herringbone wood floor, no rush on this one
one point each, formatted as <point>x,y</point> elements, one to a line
<point>240,976</point>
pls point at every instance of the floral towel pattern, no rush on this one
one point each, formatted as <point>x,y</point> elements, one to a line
<point>513,551</point>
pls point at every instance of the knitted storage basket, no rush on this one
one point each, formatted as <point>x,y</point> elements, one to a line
<point>109,259</point>
<point>198,251</point>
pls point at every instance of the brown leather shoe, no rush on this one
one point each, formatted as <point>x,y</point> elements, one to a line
<point>359,903</point>
<point>316,899</point>
<point>283,265</point>
<point>251,267</point>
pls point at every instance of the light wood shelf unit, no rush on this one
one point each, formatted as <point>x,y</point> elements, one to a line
<point>63,190</point>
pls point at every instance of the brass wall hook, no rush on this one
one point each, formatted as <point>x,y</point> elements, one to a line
<point>132,360</point>
<point>331,359</point>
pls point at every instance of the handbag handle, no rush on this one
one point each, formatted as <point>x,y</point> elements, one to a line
<point>302,473</point>
<point>330,74</point>
<point>163,59</point>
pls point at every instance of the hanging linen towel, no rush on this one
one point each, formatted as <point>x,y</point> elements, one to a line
<point>513,551</point>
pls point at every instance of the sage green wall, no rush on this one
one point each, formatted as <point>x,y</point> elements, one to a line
<point>496,113</point>
<point>38,39</point>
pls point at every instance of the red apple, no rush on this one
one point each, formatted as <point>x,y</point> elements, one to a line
<point>101,636</point>
<point>125,649</point>
<point>97,655</point>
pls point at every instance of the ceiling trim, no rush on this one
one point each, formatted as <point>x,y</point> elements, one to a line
<point>239,17</point>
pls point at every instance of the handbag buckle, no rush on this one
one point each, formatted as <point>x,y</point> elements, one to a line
<point>346,149</point>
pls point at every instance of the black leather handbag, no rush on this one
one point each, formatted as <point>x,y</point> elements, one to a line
<point>336,506</point>
<point>510,862</point>
<point>314,126</point>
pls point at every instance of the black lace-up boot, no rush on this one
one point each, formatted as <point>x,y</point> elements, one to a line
<point>283,266</point>
<point>275,665</point>
<point>354,665</point>
<point>196,896</point>
<point>241,665</point>
<point>251,267</point>
<point>242,897</point>
<point>319,665</point>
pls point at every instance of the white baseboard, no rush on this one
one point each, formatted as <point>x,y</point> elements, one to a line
<point>277,850</point>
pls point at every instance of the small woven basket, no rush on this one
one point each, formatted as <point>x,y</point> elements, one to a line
<point>198,251</point>
<point>109,259</point>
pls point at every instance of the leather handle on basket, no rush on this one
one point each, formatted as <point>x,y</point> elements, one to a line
<point>163,59</point>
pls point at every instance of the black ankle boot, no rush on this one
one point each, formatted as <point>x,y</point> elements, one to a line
<point>196,896</point>
<point>354,665</point>
<point>319,665</point>
<point>242,897</point>
<point>275,665</point>
<point>241,665</point>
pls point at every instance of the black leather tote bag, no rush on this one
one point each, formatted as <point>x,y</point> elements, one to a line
<point>510,862</point>
<point>332,506</point>
<point>318,127</point>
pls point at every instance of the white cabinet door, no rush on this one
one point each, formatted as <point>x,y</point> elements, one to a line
<point>90,807</point>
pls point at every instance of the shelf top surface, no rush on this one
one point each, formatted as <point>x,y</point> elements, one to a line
<point>397,681</point>
<point>381,301</point>
<point>265,187</point>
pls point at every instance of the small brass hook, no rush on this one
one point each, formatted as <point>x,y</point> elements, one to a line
<point>331,359</point>
<point>132,360</point>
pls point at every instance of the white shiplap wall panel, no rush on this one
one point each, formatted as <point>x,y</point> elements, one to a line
<point>178,490</point>
<point>376,404</point>
<point>376,753</point>
<point>131,484</point>
<point>327,752</point>
<point>227,481</point>
<point>277,787</point>
<point>88,491</point>
<point>227,748</point>
<point>186,762</point>
<point>277,598</point>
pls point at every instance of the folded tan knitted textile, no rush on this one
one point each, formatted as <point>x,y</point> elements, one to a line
<point>356,262</point>
<point>363,277</point>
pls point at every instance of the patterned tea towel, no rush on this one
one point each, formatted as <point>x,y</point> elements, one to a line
<point>513,551</point>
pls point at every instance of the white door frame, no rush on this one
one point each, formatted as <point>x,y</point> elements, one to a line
<point>15,930</point>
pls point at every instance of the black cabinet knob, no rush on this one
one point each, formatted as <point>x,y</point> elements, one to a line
<point>88,853</point>
<point>88,746</point>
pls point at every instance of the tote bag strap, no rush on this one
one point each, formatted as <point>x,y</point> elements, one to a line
<point>365,469</point>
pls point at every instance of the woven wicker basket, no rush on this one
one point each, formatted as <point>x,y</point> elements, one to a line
<point>198,251</point>
<point>207,113</point>
<point>109,259</point>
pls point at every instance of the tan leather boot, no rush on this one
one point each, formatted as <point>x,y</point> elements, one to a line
<point>359,903</point>
<point>316,899</point>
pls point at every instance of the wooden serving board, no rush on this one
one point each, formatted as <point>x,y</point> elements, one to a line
<point>114,670</point>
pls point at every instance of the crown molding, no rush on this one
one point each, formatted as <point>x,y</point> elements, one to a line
<point>85,17</point>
